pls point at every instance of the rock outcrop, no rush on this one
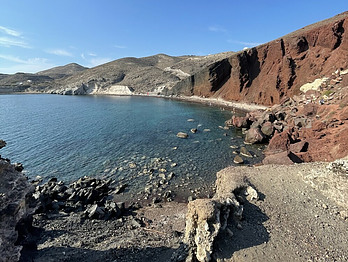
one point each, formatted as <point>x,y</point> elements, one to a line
<point>207,217</point>
<point>15,210</point>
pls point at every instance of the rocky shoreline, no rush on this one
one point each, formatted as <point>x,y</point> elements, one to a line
<point>309,127</point>
<point>252,207</point>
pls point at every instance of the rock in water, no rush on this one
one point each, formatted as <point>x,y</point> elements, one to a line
<point>182,135</point>
<point>194,130</point>
<point>238,160</point>
<point>245,152</point>
<point>2,143</point>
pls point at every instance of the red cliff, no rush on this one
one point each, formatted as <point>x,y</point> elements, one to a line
<point>267,73</point>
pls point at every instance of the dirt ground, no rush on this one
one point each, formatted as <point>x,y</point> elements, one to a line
<point>301,216</point>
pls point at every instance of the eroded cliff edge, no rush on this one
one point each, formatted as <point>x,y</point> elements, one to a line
<point>269,72</point>
<point>15,210</point>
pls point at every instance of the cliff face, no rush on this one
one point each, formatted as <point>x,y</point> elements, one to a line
<point>269,72</point>
<point>15,213</point>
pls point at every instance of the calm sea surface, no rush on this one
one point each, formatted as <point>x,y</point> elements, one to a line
<point>72,136</point>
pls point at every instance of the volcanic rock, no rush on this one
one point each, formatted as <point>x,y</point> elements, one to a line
<point>267,129</point>
<point>15,211</point>
<point>253,135</point>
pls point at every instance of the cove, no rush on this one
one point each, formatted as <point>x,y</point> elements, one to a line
<point>127,139</point>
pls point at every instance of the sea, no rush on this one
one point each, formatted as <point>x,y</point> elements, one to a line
<point>122,138</point>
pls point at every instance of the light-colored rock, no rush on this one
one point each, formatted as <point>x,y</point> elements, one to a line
<point>315,85</point>
<point>113,90</point>
<point>202,226</point>
<point>206,217</point>
<point>182,135</point>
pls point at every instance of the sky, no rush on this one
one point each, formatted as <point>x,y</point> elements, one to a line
<point>39,34</point>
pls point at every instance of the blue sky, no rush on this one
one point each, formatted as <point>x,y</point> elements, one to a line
<point>40,34</point>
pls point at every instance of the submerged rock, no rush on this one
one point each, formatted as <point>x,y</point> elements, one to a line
<point>2,143</point>
<point>182,135</point>
<point>245,152</point>
<point>238,160</point>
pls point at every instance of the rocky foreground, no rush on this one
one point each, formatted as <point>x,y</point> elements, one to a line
<point>265,213</point>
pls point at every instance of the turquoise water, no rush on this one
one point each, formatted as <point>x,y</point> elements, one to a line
<point>72,136</point>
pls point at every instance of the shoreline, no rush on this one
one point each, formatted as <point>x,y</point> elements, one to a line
<point>210,101</point>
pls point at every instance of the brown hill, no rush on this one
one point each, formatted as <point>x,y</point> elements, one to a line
<point>62,71</point>
<point>143,75</point>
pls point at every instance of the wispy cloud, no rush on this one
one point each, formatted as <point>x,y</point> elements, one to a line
<point>10,38</point>
<point>9,31</point>
<point>99,61</point>
<point>10,41</point>
<point>59,52</point>
<point>217,29</point>
<point>246,44</point>
<point>31,65</point>
<point>93,60</point>
<point>120,46</point>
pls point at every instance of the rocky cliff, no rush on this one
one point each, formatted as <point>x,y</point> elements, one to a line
<point>269,72</point>
<point>15,213</point>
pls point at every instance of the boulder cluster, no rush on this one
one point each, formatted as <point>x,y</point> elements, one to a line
<point>304,128</point>
<point>91,196</point>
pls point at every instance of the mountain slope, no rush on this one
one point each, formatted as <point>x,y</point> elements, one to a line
<point>23,81</point>
<point>143,75</point>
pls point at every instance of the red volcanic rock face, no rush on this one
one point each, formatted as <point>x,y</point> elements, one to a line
<point>306,128</point>
<point>270,72</point>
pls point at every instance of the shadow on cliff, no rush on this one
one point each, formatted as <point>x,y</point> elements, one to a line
<point>71,254</point>
<point>252,233</point>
